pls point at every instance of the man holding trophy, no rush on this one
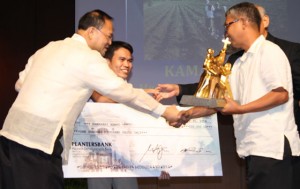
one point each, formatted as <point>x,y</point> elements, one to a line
<point>262,104</point>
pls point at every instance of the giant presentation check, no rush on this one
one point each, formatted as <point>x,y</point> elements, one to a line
<point>113,140</point>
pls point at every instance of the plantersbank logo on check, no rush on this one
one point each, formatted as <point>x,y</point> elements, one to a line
<point>113,140</point>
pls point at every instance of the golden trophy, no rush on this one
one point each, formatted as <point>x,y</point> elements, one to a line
<point>213,85</point>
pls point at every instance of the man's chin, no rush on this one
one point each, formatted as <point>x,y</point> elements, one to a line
<point>124,76</point>
<point>103,51</point>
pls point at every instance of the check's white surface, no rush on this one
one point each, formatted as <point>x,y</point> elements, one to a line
<point>113,140</point>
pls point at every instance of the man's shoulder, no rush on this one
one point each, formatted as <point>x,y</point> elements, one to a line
<point>285,45</point>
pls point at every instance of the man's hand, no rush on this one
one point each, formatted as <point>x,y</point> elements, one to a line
<point>152,92</point>
<point>167,91</point>
<point>164,175</point>
<point>195,112</point>
<point>172,116</point>
<point>231,107</point>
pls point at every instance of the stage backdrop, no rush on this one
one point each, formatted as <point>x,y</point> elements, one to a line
<point>170,37</point>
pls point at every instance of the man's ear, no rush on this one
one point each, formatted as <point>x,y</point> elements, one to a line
<point>266,21</point>
<point>91,32</point>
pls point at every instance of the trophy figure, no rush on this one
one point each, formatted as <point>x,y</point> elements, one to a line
<point>213,85</point>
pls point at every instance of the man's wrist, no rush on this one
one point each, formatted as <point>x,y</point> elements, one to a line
<point>179,91</point>
<point>160,110</point>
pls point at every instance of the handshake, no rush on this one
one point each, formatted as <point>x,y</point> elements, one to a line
<point>175,117</point>
<point>178,118</point>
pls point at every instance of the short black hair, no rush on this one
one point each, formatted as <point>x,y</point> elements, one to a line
<point>95,18</point>
<point>115,46</point>
<point>246,9</point>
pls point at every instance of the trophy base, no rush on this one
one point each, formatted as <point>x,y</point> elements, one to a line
<point>191,100</point>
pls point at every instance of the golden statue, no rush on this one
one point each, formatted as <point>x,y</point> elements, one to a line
<point>214,80</point>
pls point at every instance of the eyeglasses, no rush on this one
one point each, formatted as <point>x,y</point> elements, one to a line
<point>226,26</point>
<point>109,37</point>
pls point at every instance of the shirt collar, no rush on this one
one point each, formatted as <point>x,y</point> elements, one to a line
<point>253,48</point>
<point>79,38</point>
